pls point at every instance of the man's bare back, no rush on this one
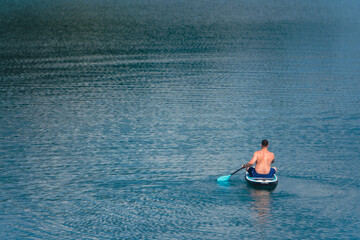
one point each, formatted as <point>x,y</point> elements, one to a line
<point>263,160</point>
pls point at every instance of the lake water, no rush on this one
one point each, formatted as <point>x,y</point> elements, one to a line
<point>116,118</point>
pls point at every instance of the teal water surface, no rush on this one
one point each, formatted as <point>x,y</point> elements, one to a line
<point>117,117</point>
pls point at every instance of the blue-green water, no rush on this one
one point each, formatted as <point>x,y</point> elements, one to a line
<point>116,118</point>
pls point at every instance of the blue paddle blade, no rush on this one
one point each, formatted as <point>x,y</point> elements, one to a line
<point>223,178</point>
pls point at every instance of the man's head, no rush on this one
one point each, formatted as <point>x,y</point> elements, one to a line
<point>264,143</point>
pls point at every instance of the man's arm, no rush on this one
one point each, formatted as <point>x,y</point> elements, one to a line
<point>251,162</point>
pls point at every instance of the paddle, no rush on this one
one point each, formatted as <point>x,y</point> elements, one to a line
<point>225,178</point>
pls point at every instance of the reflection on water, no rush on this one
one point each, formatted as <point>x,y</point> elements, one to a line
<point>224,184</point>
<point>261,204</point>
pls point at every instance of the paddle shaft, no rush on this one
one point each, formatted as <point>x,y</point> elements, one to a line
<point>237,170</point>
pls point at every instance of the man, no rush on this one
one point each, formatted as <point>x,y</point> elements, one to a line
<point>263,160</point>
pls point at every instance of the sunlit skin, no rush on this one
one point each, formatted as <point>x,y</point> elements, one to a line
<point>263,160</point>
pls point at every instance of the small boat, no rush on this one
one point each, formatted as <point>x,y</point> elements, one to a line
<point>262,183</point>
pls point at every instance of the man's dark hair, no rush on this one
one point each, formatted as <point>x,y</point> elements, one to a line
<point>264,143</point>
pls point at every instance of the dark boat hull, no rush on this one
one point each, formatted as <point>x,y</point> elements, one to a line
<point>262,183</point>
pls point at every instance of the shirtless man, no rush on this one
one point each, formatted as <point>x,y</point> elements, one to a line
<point>263,160</point>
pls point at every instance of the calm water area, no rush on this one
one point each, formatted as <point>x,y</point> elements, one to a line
<point>117,117</point>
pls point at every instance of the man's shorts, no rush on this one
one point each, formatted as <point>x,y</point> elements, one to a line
<point>253,173</point>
